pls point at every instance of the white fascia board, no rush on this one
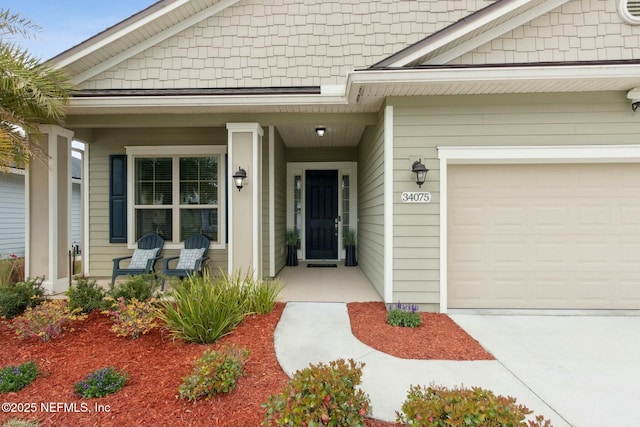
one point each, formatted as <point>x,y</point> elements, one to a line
<point>203,101</point>
<point>121,33</point>
<point>473,24</point>
<point>493,33</point>
<point>150,42</point>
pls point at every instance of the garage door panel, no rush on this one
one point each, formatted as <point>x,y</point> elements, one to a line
<point>544,236</point>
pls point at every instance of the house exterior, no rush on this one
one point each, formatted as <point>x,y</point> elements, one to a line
<point>12,210</point>
<point>522,110</point>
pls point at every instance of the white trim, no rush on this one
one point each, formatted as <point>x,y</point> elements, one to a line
<point>490,34</point>
<point>516,155</point>
<point>53,209</point>
<point>343,168</point>
<point>27,223</point>
<point>388,204</point>
<point>146,44</point>
<point>16,171</point>
<point>230,195</point>
<point>174,151</point>
<point>272,203</point>
<point>85,207</point>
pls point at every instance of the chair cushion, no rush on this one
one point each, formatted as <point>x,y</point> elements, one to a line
<point>188,258</point>
<point>140,258</point>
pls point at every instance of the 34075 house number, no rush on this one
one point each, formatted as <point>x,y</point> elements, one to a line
<point>416,197</point>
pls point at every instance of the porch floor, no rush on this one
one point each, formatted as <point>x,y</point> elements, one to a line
<point>341,284</point>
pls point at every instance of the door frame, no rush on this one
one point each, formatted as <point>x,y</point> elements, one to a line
<point>344,168</point>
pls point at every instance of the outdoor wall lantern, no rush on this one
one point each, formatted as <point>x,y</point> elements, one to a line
<point>239,178</point>
<point>320,131</point>
<point>421,172</point>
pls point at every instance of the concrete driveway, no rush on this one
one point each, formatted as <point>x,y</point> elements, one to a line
<point>586,368</point>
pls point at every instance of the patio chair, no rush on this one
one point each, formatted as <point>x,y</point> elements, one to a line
<point>143,260</point>
<point>190,261</point>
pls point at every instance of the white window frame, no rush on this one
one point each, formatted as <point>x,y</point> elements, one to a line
<point>176,152</point>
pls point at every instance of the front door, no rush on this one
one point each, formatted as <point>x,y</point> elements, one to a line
<point>321,214</point>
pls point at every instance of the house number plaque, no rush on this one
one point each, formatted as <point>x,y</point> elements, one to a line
<point>416,197</point>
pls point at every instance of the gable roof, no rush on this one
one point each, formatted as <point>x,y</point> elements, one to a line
<point>469,33</point>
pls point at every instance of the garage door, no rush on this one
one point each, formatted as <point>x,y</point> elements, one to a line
<point>558,236</point>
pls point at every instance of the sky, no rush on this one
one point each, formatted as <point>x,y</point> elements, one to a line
<point>65,23</point>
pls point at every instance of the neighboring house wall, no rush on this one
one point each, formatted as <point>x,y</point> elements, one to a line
<point>587,30</point>
<point>370,237</point>
<point>12,221</point>
<point>253,44</point>
<point>280,206</point>
<point>113,141</point>
<point>491,120</point>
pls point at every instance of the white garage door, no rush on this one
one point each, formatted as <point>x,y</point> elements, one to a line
<point>560,236</point>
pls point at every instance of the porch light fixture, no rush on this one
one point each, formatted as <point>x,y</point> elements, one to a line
<point>320,131</point>
<point>421,172</point>
<point>239,178</point>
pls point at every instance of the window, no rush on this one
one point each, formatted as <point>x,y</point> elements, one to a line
<point>176,195</point>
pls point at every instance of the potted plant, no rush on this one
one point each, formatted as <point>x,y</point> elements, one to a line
<point>350,248</point>
<point>292,246</point>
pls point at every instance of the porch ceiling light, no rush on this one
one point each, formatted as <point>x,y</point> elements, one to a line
<point>320,131</point>
<point>421,172</point>
<point>239,178</point>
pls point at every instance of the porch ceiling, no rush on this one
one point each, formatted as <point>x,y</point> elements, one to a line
<point>336,135</point>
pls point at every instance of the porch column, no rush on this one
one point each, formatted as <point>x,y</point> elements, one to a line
<point>245,236</point>
<point>48,211</point>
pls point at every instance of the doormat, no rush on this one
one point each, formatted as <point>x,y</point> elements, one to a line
<point>322,265</point>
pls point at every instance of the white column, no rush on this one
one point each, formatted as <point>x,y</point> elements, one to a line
<point>245,235</point>
<point>48,210</point>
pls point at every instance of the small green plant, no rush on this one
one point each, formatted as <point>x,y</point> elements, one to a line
<point>214,373</point>
<point>203,310</point>
<point>142,287</point>
<point>349,237</point>
<point>438,406</point>
<point>86,295</point>
<point>11,270</point>
<point>320,395</point>
<point>292,237</point>
<point>16,422</point>
<point>46,320</point>
<point>14,378</point>
<point>134,318</point>
<point>259,296</point>
<point>404,315</point>
<point>15,299</point>
<point>101,383</point>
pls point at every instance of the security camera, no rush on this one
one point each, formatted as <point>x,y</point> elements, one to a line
<point>634,96</point>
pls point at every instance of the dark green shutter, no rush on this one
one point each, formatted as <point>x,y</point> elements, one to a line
<point>118,198</point>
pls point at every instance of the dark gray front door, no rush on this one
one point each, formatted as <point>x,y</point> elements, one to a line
<point>321,214</point>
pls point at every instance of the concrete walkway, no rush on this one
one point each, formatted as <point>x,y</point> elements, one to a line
<point>320,332</point>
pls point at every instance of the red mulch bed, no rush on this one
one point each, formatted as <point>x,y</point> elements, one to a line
<point>438,337</point>
<point>156,365</point>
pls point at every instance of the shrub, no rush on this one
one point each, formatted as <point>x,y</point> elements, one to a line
<point>404,315</point>
<point>15,299</point>
<point>203,310</point>
<point>86,295</point>
<point>11,270</point>
<point>142,287</point>
<point>260,296</point>
<point>320,395</point>
<point>134,318</point>
<point>14,378</point>
<point>439,406</point>
<point>214,373</point>
<point>46,320</point>
<point>101,383</point>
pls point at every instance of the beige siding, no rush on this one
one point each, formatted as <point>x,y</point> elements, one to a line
<point>422,124</point>
<point>283,43</point>
<point>105,142</point>
<point>371,205</point>
<point>266,230</point>
<point>579,30</point>
<point>280,201</point>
